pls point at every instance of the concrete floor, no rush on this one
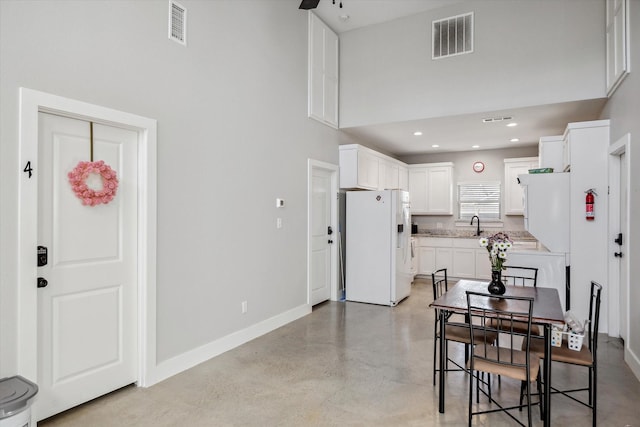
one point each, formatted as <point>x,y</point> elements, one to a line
<point>346,364</point>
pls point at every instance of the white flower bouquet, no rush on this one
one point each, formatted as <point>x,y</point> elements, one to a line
<point>497,246</point>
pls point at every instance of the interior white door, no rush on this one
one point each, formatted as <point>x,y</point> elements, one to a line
<point>87,314</point>
<point>321,240</point>
<point>624,260</point>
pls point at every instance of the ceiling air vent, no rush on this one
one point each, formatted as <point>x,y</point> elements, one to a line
<point>452,36</point>
<point>177,22</point>
<point>496,119</point>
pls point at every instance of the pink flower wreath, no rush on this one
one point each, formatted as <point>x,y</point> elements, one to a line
<point>80,173</point>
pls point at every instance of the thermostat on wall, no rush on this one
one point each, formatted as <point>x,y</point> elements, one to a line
<point>279,203</point>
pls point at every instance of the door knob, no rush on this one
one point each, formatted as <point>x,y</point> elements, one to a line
<point>330,241</point>
<point>617,254</point>
<point>42,282</point>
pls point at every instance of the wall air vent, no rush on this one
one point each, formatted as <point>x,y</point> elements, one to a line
<point>177,22</point>
<point>452,36</point>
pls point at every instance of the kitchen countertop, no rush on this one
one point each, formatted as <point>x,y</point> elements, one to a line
<point>515,236</point>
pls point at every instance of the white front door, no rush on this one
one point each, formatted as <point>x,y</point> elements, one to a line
<point>323,235</point>
<point>87,314</point>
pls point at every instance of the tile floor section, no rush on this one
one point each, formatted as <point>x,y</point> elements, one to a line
<point>346,364</point>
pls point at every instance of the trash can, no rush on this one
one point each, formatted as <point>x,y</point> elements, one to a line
<point>16,396</point>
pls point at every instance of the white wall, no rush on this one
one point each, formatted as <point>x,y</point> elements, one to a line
<point>526,53</point>
<point>623,109</point>
<point>232,137</point>
<point>463,172</point>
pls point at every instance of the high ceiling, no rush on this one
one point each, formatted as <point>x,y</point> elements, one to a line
<point>458,133</point>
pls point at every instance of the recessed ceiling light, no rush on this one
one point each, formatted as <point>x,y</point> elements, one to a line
<point>513,124</point>
<point>417,133</point>
<point>514,140</point>
<point>435,146</point>
<point>475,146</point>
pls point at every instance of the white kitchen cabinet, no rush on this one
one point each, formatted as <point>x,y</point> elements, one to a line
<point>323,72</point>
<point>426,260</point>
<point>431,188</point>
<point>483,265</point>
<point>358,167</point>
<point>462,257</point>
<point>387,175</point>
<point>617,43</point>
<point>403,178</point>
<point>444,259</point>
<point>464,263</point>
<point>366,169</point>
<point>551,153</point>
<point>513,192</point>
<point>433,254</point>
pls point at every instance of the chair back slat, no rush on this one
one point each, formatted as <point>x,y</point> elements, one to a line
<point>520,276</point>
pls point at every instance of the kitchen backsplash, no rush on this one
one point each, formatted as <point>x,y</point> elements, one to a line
<point>437,222</point>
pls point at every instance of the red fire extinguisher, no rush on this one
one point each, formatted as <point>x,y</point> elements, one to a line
<point>589,201</point>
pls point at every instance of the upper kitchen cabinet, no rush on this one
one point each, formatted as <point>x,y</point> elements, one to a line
<point>513,192</point>
<point>551,152</point>
<point>323,72</point>
<point>617,43</point>
<point>366,169</point>
<point>431,188</point>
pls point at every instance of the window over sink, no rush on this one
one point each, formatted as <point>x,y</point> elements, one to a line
<point>479,198</point>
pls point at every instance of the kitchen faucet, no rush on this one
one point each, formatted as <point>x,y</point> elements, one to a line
<point>478,218</point>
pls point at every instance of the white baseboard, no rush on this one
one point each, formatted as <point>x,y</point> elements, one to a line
<point>633,361</point>
<point>194,357</point>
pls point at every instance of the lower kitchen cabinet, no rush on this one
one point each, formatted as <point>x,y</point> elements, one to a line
<point>444,259</point>
<point>483,265</point>
<point>426,260</point>
<point>462,257</point>
<point>464,263</point>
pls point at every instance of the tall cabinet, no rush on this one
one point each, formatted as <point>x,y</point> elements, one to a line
<point>588,143</point>
<point>323,72</point>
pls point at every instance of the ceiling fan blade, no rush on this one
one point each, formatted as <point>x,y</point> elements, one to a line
<point>309,4</point>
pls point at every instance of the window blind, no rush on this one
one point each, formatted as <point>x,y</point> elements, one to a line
<point>479,198</point>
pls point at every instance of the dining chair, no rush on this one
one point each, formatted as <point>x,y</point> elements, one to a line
<point>520,276</point>
<point>454,330</point>
<point>491,315</point>
<point>585,357</point>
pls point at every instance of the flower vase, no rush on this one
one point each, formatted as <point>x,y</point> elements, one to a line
<point>496,287</point>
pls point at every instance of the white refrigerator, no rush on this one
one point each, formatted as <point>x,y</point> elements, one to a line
<point>378,252</point>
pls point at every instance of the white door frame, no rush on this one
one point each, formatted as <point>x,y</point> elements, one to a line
<point>622,146</point>
<point>31,103</point>
<point>333,169</point>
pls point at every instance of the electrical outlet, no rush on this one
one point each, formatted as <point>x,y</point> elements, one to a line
<point>244,307</point>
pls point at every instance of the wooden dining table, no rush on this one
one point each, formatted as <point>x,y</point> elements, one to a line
<point>546,311</point>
